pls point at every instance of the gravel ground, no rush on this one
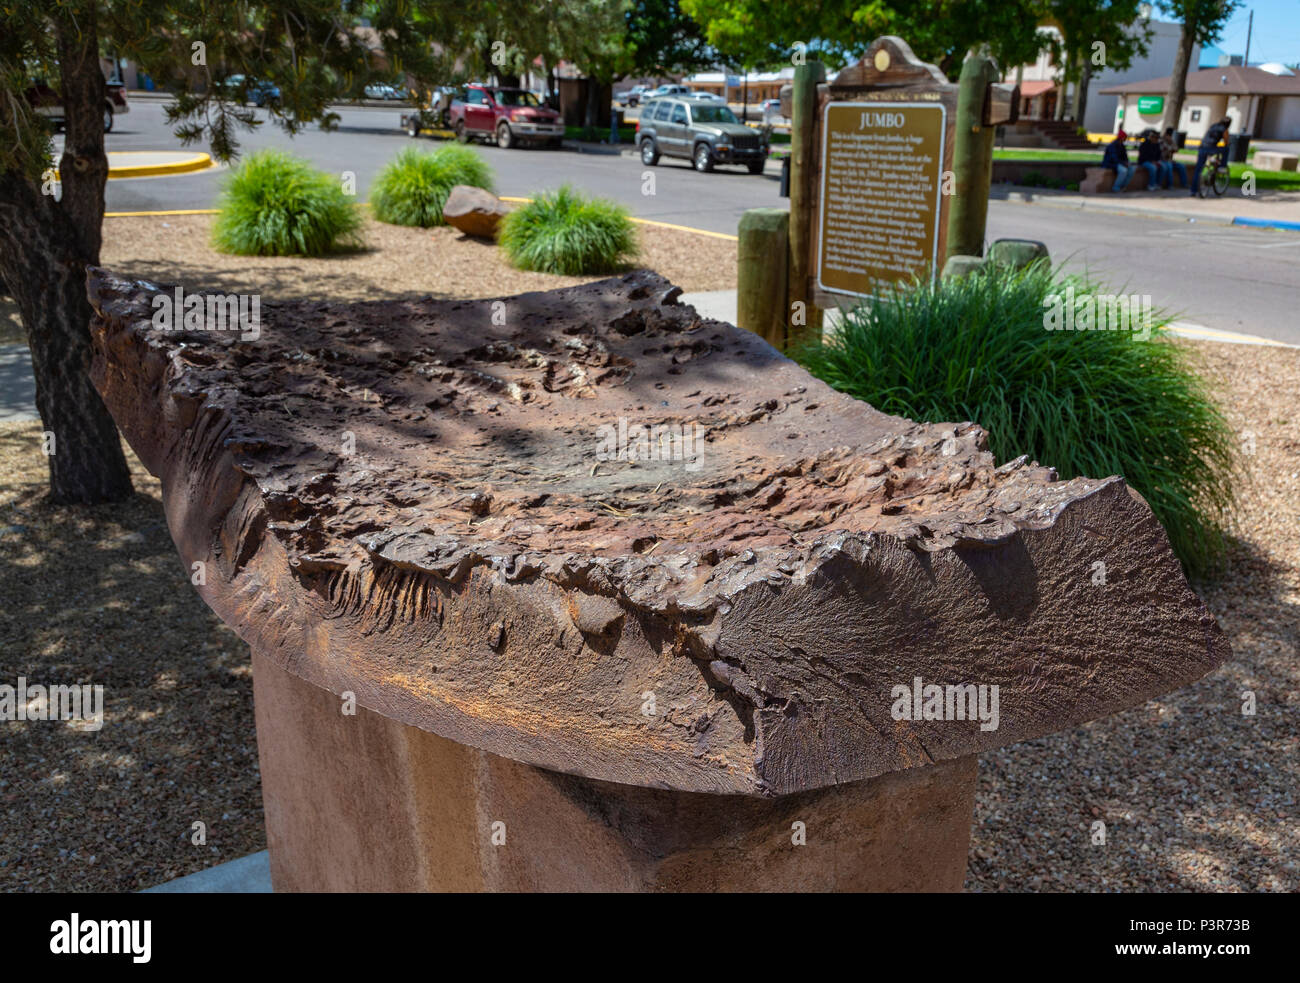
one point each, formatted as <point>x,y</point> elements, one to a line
<point>1194,795</point>
<point>397,262</point>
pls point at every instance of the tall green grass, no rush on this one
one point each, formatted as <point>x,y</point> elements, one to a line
<point>566,232</point>
<point>413,187</point>
<point>275,204</point>
<point>1092,403</point>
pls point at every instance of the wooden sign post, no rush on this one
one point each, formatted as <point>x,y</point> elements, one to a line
<point>879,156</point>
<point>883,142</point>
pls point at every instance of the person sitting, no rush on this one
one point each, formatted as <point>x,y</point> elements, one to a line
<point>1208,148</point>
<point>1116,159</point>
<point>1149,160</point>
<point>1169,147</point>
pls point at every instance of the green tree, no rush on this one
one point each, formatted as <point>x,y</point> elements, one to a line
<point>311,49</point>
<point>939,31</point>
<point>1096,34</point>
<point>1202,21</point>
<point>662,40</point>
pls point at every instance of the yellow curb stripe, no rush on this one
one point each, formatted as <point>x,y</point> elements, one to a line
<point>648,221</point>
<point>199,162</point>
<point>175,211</point>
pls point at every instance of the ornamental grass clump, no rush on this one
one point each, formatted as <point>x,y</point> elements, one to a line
<point>413,187</point>
<point>990,348</point>
<point>275,204</point>
<point>567,232</point>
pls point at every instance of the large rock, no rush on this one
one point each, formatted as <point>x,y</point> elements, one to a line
<point>422,503</point>
<point>474,211</point>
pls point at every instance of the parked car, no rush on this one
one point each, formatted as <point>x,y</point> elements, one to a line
<point>381,91</point>
<point>668,90</point>
<point>633,96</point>
<point>712,97</point>
<point>507,115</point>
<point>48,103</point>
<point>434,114</point>
<point>256,91</point>
<point>701,132</point>
<point>772,112</point>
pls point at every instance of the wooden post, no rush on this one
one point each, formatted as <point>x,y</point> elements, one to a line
<point>761,274</point>
<point>972,162</point>
<point>803,181</point>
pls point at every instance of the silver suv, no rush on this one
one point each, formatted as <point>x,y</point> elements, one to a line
<point>704,133</point>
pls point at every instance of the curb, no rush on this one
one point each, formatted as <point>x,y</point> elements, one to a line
<point>1266,223</point>
<point>515,199</point>
<point>198,162</point>
<point>1118,208</point>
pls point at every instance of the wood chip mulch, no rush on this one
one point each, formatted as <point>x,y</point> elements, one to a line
<point>1194,795</point>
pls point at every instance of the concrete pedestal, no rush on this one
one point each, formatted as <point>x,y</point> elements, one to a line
<point>364,803</point>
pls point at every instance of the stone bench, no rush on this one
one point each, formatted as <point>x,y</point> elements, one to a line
<point>1273,160</point>
<point>1099,180</point>
<point>580,590</point>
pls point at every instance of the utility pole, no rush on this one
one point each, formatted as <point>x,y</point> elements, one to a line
<point>1250,26</point>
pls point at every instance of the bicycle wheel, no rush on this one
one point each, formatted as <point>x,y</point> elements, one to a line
<point>1208,175</point>
<point>1221,178</point>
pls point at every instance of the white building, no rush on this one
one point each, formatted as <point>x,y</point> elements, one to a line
<point>1040,82</point>
<point>1262,103</point>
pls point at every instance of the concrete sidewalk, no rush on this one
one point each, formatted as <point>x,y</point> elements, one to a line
<point>1277,209</point>
<point>247,875</point>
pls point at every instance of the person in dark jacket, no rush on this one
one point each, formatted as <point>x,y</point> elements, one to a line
<point>1115,159</point>
<point>1169,147</point>
<point>1149,160</point>
<point>1208,148</point>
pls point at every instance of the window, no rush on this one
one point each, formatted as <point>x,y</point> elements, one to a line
<point>515,97</point>
<point>712,114</point>
<point>679,114</point>
<point>662,110</point>
<point>1196,116</point>
<point>475,97</point>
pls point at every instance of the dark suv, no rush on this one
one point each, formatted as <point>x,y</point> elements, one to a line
<point>704,133</point>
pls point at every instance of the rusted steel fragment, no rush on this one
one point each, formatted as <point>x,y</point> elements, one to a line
<point>422,503</point>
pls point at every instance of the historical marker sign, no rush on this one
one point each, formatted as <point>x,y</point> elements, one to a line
<point>878,213</point>
<point>883,140</point>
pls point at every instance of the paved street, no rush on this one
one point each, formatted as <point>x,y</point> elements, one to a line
<point>1229,278</point>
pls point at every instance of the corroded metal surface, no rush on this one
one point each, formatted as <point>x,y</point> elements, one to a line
<point>415,502</point>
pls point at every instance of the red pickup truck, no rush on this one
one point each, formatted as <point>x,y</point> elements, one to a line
<point>510,116</point>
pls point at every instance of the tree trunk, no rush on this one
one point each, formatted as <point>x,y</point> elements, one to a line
<point>1067,73</point>
<point>1178,80</point>
<point>45,247</point>
<point>1081,95</point>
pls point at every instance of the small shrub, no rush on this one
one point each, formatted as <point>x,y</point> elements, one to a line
<point>1092,403</point>
<point>275,204</point>
<point>413,187</point>
<point>566,232</point>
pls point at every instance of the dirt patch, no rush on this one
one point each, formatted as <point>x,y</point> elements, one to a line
<point>397,262</point>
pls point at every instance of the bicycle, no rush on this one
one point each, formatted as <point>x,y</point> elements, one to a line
<point>1216,175</point>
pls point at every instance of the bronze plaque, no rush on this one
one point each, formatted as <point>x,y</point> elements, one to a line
<point>879,208</point>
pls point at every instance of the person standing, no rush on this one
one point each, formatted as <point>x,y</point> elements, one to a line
<point>1209,146</point>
